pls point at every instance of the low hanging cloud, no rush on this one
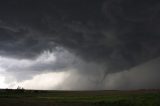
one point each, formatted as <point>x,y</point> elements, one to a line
<point>141,77</point>
<point>96,39</point>
<point>75,74</point>
<point>55,67</point>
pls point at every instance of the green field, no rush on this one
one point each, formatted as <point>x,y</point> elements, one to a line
<point>79,98</point>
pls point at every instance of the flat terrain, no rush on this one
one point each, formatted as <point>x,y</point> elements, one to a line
<point>79,98</point>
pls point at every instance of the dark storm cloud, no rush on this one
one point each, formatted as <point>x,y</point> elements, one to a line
<point>118,33</point>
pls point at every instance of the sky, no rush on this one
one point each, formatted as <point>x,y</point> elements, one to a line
<point>80,44</point>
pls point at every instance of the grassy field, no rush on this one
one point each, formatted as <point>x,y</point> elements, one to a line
<point>79,98</point>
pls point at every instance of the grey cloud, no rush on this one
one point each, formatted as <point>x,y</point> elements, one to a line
<point>145,76</point>
<point>132,10</point>
<point>118,35</point>
<point>24,69</point>
<point>140,77</point>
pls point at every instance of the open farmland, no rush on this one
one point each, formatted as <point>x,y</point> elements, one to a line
<point>79,98</point>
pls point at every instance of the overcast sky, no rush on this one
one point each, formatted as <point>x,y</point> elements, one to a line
<point>80,44</point>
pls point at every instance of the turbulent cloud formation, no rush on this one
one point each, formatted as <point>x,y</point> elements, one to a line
<point>96,38</point>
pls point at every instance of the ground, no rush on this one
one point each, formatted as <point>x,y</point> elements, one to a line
<point>79,98</point>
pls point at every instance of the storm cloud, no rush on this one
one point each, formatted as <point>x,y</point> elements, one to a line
<point>96,38</point>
